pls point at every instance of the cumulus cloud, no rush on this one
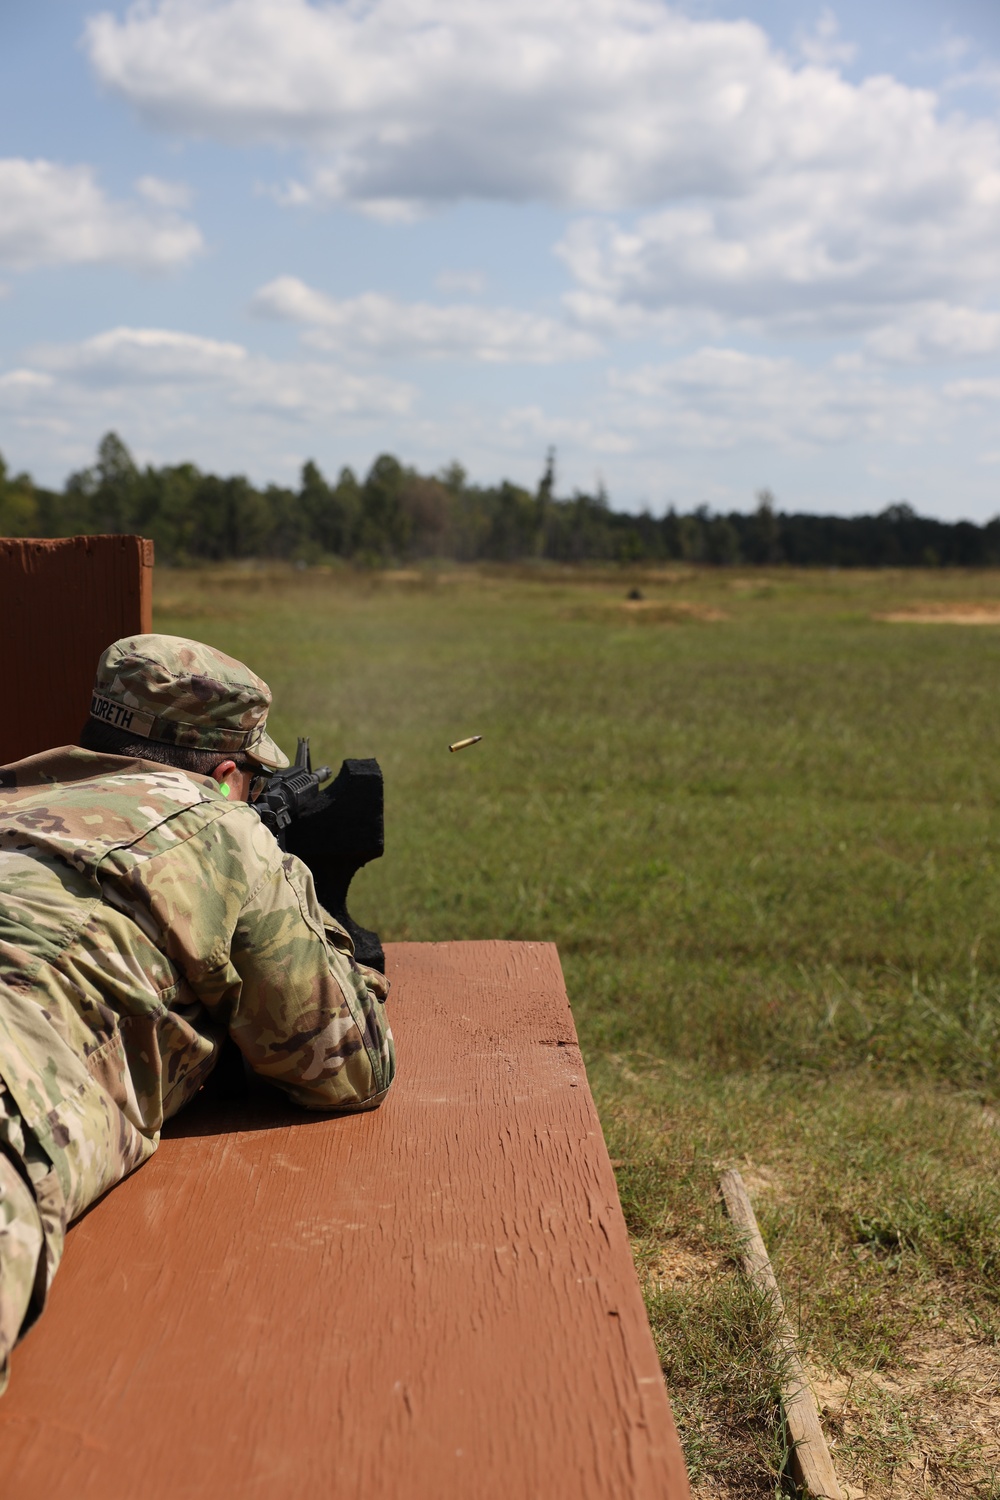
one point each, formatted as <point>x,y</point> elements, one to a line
<point>593,102</point>
<point>836,246</point>
<point>935,332</point>
<point>721,398</point>
<point>163,193</point>
<point>824,44</point>
<point>127,362</point>
<point>178,396</point>
<point>599,103</point>
<point>59,215</point>
<point>715,424</point>
<point>594,434</point>
<point>150,355</point>
<point>21,382</point>
<point>379,325</point>
<point>982,393</point>
<point>602,314</point>
<point>766,188</point>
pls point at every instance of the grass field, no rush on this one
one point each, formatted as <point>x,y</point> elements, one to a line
<point>763,827</point>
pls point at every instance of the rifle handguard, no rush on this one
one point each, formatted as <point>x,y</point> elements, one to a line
<point>285,796</point>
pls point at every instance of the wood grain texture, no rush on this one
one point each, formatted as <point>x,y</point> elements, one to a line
<point>811,1459</point>
<point>61,603</point>
<point>433,1299</point>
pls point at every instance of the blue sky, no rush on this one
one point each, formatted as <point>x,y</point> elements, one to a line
<point>699,249</point>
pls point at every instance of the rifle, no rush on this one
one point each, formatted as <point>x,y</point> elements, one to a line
<point>334,831</point>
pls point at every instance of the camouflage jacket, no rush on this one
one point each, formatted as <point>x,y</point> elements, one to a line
<point>142,917</point>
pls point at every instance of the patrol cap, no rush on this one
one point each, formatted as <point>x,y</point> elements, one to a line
<point>181,692</point>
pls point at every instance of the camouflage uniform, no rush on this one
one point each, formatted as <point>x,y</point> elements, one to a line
<point>143,917</point>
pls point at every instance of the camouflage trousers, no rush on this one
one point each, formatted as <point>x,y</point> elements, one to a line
<point>32,1228</point>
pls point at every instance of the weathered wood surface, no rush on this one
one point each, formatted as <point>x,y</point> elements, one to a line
<point>61,602</point>
<point>811,1459</point>
<point>435,1299</point>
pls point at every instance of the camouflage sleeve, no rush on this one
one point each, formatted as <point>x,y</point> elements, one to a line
<point>306,1019</point>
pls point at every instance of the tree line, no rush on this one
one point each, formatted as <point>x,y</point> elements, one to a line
<point>396,514</point>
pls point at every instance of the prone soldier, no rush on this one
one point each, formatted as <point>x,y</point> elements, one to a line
<point>146,913</point>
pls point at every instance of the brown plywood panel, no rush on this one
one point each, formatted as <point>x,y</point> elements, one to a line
<point>61,603</point>
<point>435,1299</point>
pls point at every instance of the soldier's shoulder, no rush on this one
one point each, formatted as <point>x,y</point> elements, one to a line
<point>237,835</point>
<point>132,806</point>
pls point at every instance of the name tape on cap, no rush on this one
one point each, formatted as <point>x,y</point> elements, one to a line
<point>119,716</point>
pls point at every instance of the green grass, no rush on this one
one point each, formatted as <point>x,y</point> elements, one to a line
<point>768,847</point>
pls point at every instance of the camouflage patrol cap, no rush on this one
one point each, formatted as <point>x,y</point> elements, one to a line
<point>180,692</point>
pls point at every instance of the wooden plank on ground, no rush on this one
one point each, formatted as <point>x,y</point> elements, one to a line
<point>435,1299</point>
<point>810,1458</point>
<point>61,603</point>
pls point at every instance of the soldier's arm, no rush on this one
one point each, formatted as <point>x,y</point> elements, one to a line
<point>306,1019</point>
<point>241,922</point>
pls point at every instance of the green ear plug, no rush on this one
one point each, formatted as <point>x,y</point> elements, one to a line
<point>224,788</point>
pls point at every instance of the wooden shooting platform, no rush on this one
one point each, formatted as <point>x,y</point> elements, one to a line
<point>435,1299</point>
<point>61,603</point>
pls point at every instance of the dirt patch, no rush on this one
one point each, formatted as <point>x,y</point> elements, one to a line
<point>676,1263</point>
<point>664,612</point>
<point>648,612</point>
<point>928,1428</point>
<point>951,613</point>
<point>403,575</point>
<point>761,1182</point>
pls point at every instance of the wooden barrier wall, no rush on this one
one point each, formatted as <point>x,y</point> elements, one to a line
<point>61,603</point>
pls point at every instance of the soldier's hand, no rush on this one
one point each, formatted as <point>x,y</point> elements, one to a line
<point>376,982</point>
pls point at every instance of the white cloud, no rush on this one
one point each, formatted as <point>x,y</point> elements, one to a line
<point>177,396</point>
<point>934,332</point>
<point>379,325</point>
<point>595,103</point>
<point>721,398</point>
<point>710,425</point>
<point>187,370</point>
<point>951,49</point>
<point>593,434</point>
<point>58,215</point>
<point>979,393</point>
<point>824,44</point>
<point>150,355</point>
<point>914,217</point>
<point>600,313</point>
<point>768,189</point>
<point>163,193</point>
<point>21,381</point>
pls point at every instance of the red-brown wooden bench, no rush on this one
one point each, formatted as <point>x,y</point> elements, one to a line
<point>432,1300</point>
